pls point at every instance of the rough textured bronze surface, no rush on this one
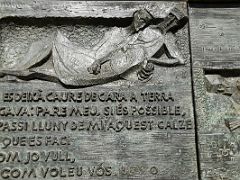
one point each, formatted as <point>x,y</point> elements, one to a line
<point>215,53</point>
<point>71,111</point>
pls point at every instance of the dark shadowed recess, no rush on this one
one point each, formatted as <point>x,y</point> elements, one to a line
<point>213,4</point>
<point>224,72</point>
<point>58,21</point>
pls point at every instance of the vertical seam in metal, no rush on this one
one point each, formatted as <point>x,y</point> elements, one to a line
<point>193,99</point>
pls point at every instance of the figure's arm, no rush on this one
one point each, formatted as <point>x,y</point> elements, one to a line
<point>104,50</point>
<point>96,66</point>
<point>174,19</point>
<point>167,24</point>
<point>177,13</point>
<point>172,50</point>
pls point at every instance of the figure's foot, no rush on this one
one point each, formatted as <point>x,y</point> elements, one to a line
<point>145,74</point>
<point>94,68</point>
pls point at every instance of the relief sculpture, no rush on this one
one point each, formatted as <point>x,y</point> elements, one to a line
<point>96,90</point>
<point>229,87</point>
<point>123,53</point>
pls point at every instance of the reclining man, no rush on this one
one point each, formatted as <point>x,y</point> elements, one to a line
<point>123,49</point>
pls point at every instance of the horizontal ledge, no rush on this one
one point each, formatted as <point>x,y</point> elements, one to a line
<point>106,9</point>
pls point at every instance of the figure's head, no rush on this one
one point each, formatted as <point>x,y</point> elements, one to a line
<point>141,18</point>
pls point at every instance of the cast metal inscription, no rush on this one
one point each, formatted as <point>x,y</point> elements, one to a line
<point>96,90</point>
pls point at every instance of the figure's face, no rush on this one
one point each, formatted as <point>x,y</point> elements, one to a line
<point>141,19</point>
<point>139,24</point>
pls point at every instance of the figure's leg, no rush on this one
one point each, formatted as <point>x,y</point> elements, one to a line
<point>42,70</point>
<point>20,73</point>
<point>37,55</point>
<point>172,51</point>
<point>41,73</point>
<point>46,68</point>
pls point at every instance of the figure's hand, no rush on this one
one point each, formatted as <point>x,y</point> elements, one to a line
<point>94,68</point>
<point>177,13</point>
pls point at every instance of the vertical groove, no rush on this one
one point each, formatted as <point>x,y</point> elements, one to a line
<point>193,99</point>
